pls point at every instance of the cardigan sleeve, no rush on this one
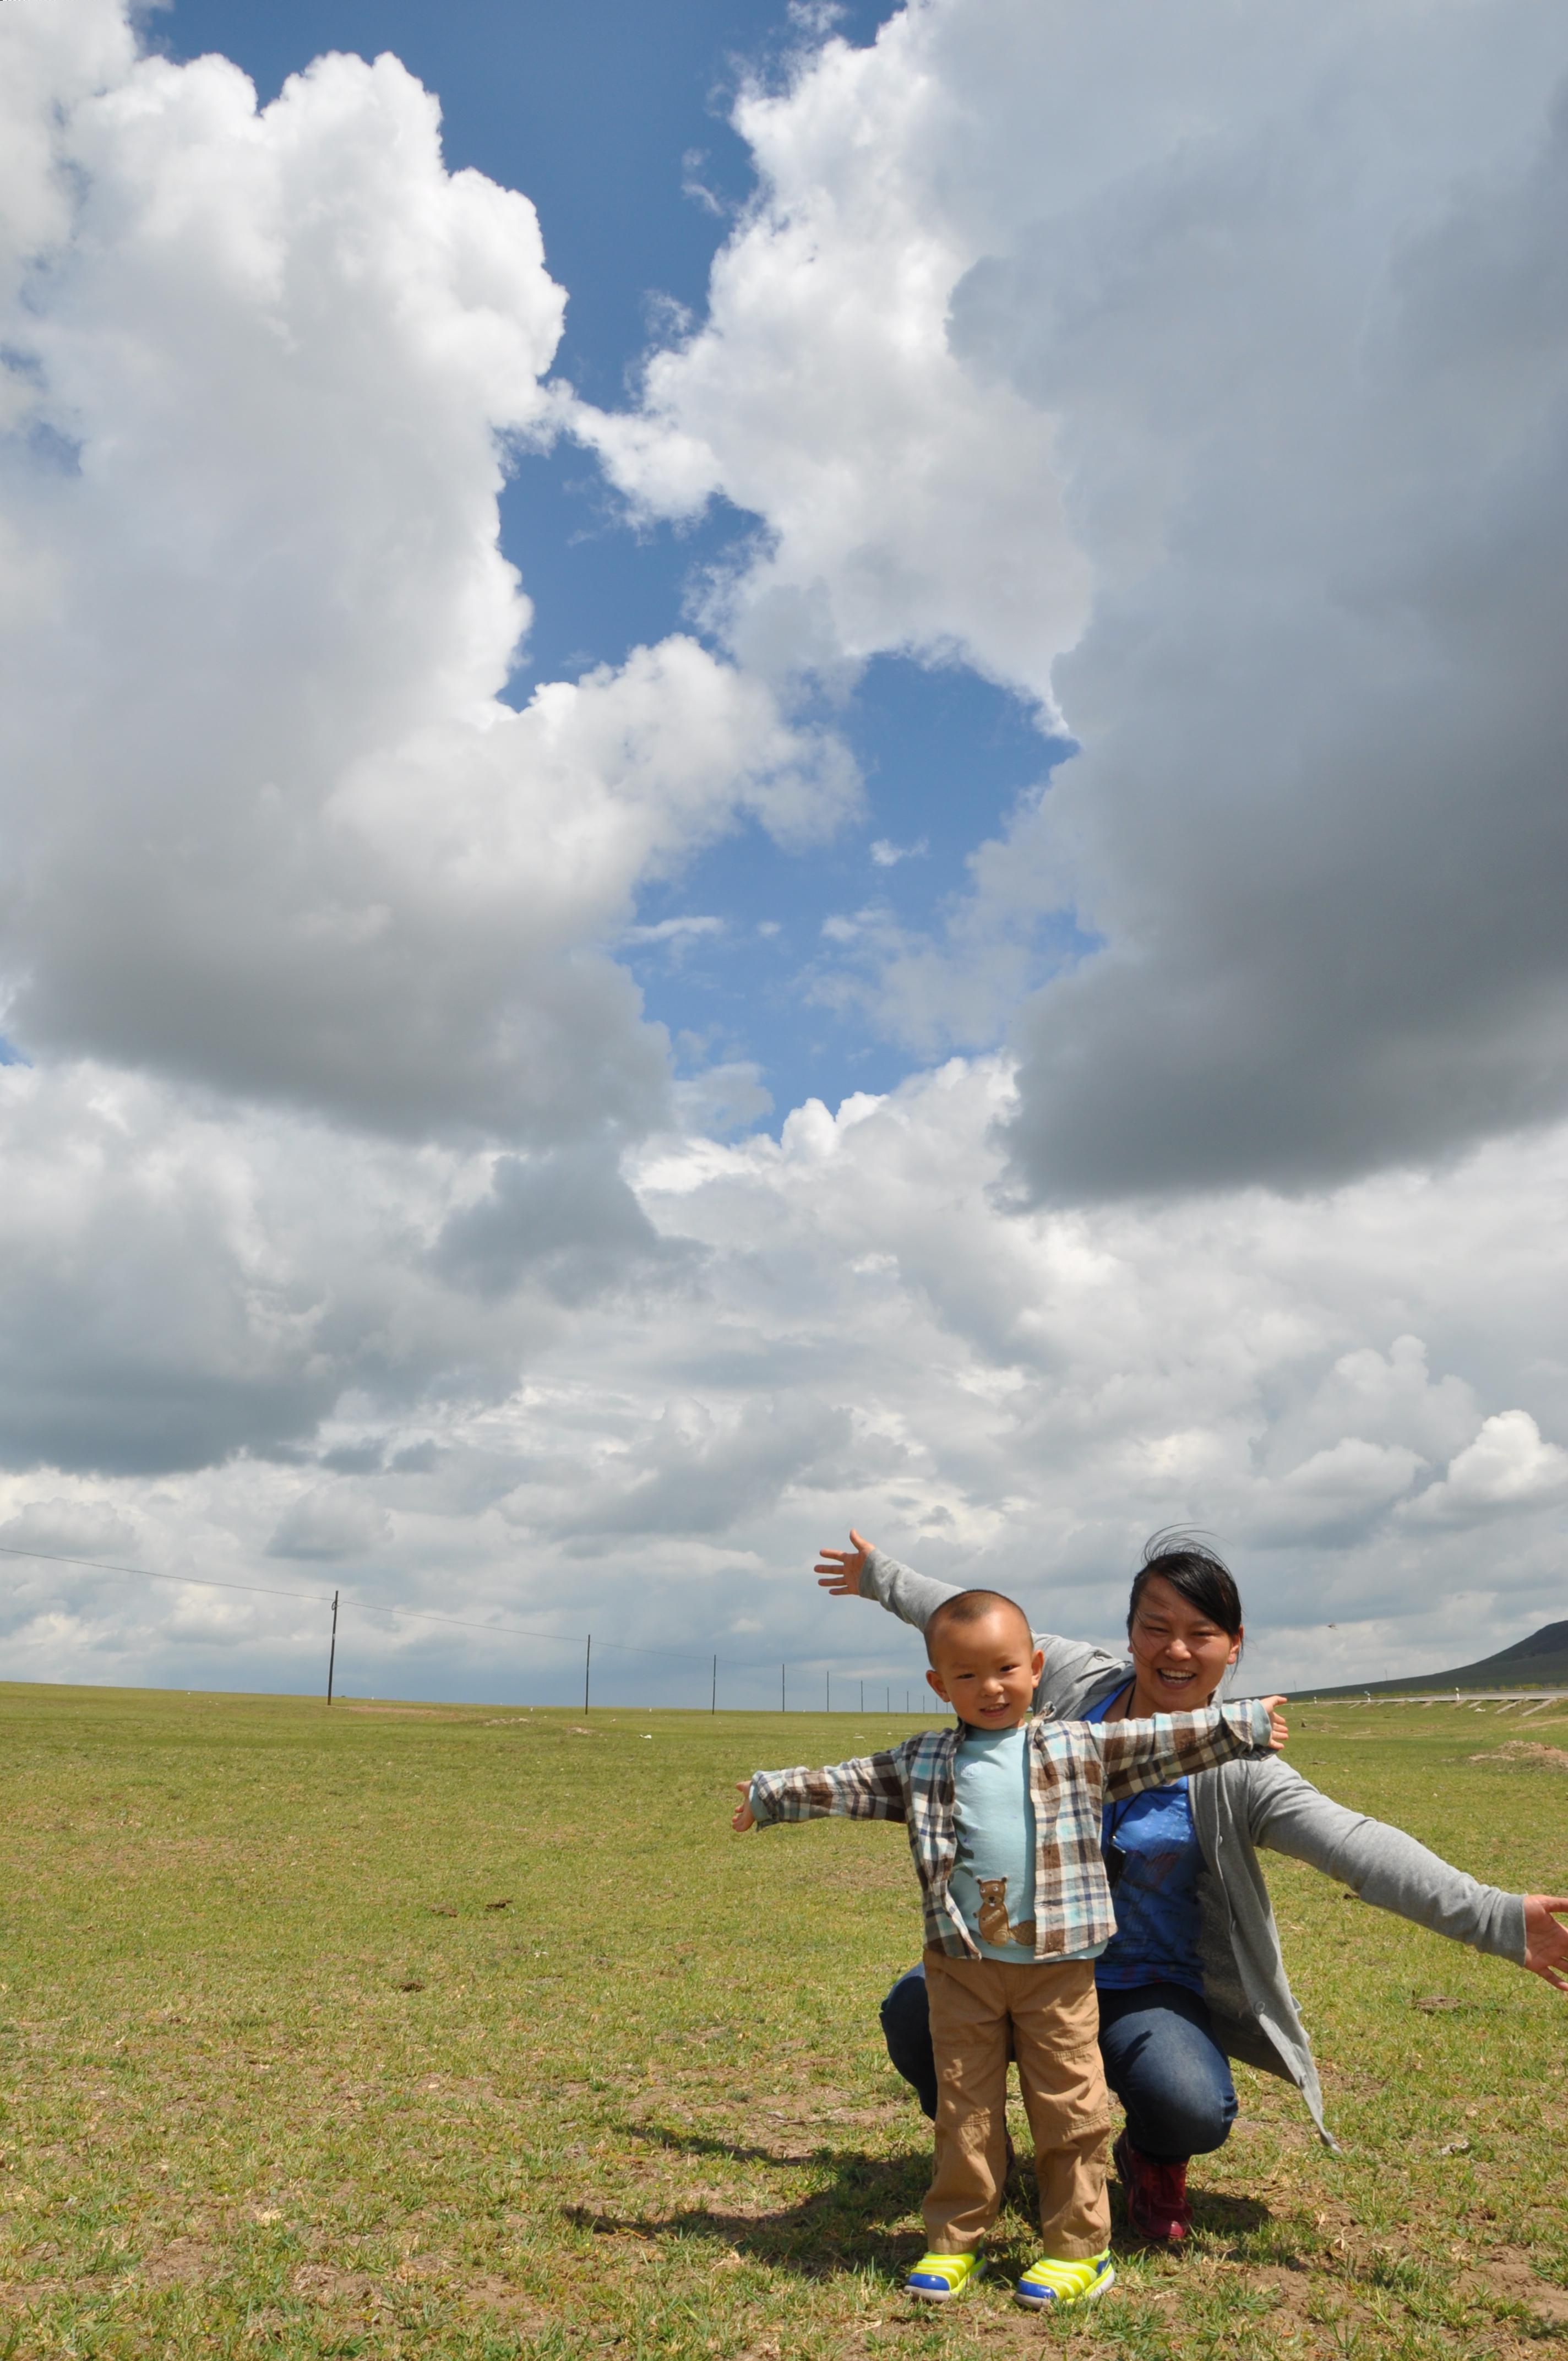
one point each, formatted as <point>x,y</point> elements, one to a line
<point>1382,1864</point>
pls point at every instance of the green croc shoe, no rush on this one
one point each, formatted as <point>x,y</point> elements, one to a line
<point>935,2278</point>
<point>1047,2286</point>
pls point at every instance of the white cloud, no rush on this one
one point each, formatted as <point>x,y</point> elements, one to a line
<point>1207,375</point>
<point>179,1282</point>
<point>675,930</point>
<point>329,1522</point>
<point>1354,1471</point>
<point>268,827</point>
<point>638,1406</point>
<point>349,1215</point>
<point>1506,1468</point>
<point>1334,1499</point>
<point>67,1527</point>
<point>567,1221</point>
<point>907,503</point>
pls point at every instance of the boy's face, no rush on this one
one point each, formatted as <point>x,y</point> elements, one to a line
<point>986,1670</point>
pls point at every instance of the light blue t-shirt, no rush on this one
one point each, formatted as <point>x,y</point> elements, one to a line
<point>1155,1893</point>
<point>994,1818</point>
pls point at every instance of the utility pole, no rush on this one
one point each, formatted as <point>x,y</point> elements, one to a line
<point>828,1678</point>
<point>862,1696</point>
<point>783,1693</point>
<point>587,1669</point>
<point>331,1652</point>
<point>890,1700</point>
<point>714,1706</point>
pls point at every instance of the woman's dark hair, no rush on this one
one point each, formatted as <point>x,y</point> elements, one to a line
<point>1199,1573</point>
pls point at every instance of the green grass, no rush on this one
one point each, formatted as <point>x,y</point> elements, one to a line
<point>280,2081</point>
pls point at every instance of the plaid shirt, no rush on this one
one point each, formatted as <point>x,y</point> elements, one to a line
<point>1075,1769</point>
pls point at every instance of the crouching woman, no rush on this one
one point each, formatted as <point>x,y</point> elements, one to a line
<point>1194,1977</point>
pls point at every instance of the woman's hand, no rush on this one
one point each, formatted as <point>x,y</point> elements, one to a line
<point>1278,1728</point>
<point>840,1570</point>
<point>1545,1942</point>
<point>745,1818</point>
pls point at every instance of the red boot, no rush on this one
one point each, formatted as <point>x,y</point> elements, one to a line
<point>1156,2194</point>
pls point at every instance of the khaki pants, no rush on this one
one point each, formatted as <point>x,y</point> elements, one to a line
<point>1049,2018</point>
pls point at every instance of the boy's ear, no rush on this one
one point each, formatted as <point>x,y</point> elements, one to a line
<point>934,1680</point>
<point>1037,1662</point>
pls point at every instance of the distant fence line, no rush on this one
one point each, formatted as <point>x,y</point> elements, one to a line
<point>1536,1699</point>
<point>914,1701</point>
<point>584,1640</point>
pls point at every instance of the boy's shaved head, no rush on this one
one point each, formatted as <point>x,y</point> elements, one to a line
<point>973,1606</point>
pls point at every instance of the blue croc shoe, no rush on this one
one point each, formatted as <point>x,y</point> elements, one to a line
<point>935,2278</point>
<point>1047,2286</point>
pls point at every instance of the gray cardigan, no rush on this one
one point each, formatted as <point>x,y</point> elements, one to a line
<point>1236,1809</point>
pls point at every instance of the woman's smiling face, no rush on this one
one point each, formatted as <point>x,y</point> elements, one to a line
<point>1181,1655</point>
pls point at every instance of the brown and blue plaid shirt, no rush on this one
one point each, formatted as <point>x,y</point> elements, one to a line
<point>1075,1769</point>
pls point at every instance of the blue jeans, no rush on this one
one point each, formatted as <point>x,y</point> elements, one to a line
<point>1161,2059</point>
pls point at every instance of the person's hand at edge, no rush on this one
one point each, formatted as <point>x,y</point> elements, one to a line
<point>1278,1728</point>
<point>840,1571</point>
<point>1545,1941</point>
<point>745,1818</point>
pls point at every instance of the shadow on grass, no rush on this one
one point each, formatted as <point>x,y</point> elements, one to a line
<point>858,2220</point>
<point>1225,2218</point>
<point>858,2217</point>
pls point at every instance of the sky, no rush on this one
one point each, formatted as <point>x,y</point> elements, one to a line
<point>768,766</point>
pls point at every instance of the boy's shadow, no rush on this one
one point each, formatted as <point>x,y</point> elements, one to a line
<point>849,2224</point>
<point>860,2218</point>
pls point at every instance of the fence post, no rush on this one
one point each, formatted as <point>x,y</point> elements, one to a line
<point>587,1669</point>
<point>332,1651</point>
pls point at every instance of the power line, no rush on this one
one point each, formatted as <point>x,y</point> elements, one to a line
<point>146,1573</point>
<point>516,1631</point>
<point>369,1607</point>
<point>323,1599</point>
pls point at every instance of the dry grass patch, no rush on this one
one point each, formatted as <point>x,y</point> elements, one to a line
<point>1527,1750</point>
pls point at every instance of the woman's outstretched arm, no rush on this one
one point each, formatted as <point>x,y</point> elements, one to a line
<point>1394,1871</point>
<point>863,1571</point>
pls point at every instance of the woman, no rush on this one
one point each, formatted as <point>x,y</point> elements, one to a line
<point>1194,1977</point>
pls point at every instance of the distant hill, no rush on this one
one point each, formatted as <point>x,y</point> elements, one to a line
<point>1538,1663</point>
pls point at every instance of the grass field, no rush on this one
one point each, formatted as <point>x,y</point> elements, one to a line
<point>283,2076</point>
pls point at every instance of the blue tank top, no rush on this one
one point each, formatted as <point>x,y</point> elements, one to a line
<point>1155,1894</point>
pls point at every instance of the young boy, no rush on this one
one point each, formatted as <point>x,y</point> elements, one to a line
<point>1003,1815</point>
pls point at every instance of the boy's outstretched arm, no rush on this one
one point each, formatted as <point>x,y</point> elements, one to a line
<point>1139,1754</point>
<point>871,1787</point>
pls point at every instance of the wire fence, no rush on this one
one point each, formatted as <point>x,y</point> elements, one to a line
<point>804,1678</point>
